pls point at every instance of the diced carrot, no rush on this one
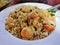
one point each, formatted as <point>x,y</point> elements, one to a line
<point>36,25</point>
<point>29,24</point>
<point>23,33</point>
<point>49,28</point>
<point>35,16</point>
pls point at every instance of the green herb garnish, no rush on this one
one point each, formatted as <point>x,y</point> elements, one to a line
<point>52,12</point>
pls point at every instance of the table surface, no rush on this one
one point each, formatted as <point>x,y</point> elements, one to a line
<point>13,2</point>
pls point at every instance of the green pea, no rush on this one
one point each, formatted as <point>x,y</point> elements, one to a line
<point>53,11</point>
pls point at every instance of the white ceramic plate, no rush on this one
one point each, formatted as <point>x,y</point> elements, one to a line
<point>7,39</point>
